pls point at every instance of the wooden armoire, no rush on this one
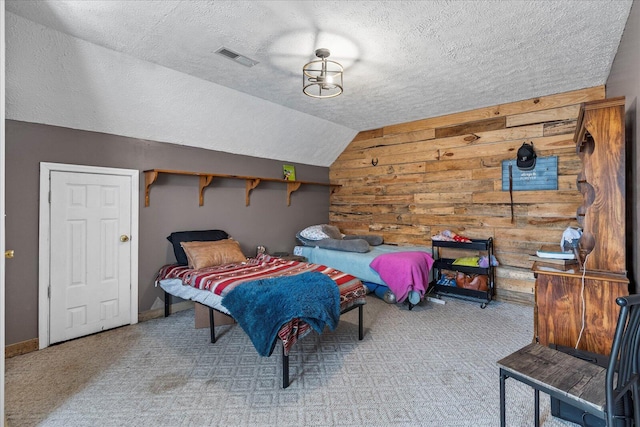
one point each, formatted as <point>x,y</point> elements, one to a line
<point>579,308</point>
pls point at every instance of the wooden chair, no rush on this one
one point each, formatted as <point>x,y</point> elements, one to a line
<point>610,393</point>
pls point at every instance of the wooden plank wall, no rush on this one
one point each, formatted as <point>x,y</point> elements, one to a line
<point>446,173</point>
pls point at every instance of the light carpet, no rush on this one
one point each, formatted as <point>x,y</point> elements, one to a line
<point>432,366</point>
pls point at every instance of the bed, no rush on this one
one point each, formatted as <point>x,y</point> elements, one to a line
<point>213,286</point>
<point>359,264</point>
<point>354,263</point>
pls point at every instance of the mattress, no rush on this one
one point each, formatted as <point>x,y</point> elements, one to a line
<point>354,263</point>
<point>176,288</point>
<point>220,280</point>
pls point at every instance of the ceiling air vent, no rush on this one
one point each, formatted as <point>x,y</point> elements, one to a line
<point>236,57</point>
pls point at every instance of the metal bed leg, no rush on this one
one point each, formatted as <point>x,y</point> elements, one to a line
<point>212,329</point>
<point>360,322</point>
<point>285,358</point>
<point>503,378</point>
<point>285,369</point>
<point>167,304</point>
<point>536,399</point>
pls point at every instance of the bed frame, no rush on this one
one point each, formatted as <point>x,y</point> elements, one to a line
<point>285,357</point>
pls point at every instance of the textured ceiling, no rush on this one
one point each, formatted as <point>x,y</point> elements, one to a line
<point>404,60</point>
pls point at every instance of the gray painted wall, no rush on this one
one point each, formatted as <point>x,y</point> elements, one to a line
<point>173,204</point>
<point>624,80</point>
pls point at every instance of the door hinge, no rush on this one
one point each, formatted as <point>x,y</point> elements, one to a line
<point>49,196</point>
<point>49,292</point>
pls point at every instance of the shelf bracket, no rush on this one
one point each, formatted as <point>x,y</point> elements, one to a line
<point>250,184</point>
<point>149,178</point>
<point>205,180</point>
<point>291,187</point>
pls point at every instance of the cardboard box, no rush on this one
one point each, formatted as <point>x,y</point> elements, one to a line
<point>202,317</point>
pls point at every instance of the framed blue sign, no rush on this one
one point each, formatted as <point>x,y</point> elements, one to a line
<point>544,176</point>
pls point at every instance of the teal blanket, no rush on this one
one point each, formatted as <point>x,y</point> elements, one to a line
<point>262,306</point>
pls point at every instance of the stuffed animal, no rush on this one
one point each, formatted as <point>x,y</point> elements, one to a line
<point>450,236</point>
<point>477,282</point>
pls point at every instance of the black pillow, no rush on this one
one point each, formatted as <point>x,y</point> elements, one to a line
<point>192,236</point>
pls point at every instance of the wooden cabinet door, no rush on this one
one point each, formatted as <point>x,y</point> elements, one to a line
<point>559,306</point>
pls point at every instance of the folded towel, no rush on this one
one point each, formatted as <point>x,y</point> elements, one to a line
<point>262,306</point>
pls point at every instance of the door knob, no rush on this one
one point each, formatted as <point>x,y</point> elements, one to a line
<point>124,238</point>
<point>9,253</point>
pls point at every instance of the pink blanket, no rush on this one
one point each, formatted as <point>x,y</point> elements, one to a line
<point>404,271</point>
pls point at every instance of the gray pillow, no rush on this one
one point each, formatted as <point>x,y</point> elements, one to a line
<point>332,231</point>
<point>372,239</point>
<point>351,245</point>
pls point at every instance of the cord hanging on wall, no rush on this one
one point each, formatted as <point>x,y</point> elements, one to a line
<point>511,191</point>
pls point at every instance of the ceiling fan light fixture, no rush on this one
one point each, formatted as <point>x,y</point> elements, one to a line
<point>322,78</point>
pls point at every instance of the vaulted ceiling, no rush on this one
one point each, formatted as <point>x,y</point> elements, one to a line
<point>149,69</point>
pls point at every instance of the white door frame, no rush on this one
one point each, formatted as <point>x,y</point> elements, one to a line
<point>44,237</point>
<point>2,207</point>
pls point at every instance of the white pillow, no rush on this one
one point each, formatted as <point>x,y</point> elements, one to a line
<point>314,232</point>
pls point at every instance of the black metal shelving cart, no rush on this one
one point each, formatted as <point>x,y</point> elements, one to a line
<point>478,245</point>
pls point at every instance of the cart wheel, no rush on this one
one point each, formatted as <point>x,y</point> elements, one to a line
<point>483,305</point>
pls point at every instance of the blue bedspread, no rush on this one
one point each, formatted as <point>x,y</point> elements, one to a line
<point>262,306</point>
<point>356,264</point>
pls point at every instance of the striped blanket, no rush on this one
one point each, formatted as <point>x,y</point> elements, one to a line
<point>221,279</point>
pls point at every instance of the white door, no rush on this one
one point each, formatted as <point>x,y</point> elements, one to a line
<point>90,253</point>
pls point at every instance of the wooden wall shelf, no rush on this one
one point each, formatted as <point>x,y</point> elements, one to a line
<point>251,182</point>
